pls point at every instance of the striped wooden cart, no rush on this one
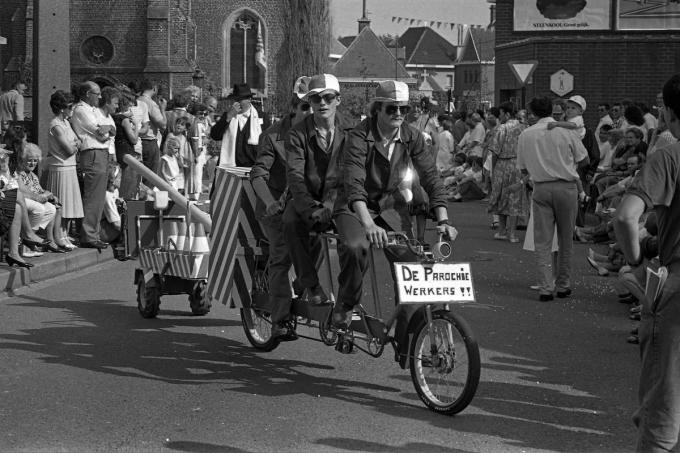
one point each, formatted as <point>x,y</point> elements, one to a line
<point>175,261</point>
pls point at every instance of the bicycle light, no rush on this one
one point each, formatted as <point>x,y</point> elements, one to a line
<point>441,250</point>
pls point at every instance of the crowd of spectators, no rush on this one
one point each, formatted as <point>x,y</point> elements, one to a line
<point>72,194</point>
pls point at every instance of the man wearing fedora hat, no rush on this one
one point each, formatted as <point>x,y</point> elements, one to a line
<point>379,158</point>
<point>313,154</point>
<point>239,129</point>
<point>268,177</point>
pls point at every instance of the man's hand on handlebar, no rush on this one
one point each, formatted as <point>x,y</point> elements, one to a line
<point>376,236</point>
<point>322,215</point>
<point>450,233</point>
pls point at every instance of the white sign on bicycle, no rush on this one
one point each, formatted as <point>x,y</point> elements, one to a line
<point>434,283</point>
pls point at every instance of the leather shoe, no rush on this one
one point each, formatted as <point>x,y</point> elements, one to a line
<point>317,296</point>
<point>341,318</point>
<point>94,245</point>
<point>564,293</point>
<point>283,332</point>
<point>545,297</point>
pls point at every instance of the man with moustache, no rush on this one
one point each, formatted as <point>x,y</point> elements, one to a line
<point>375,194</point>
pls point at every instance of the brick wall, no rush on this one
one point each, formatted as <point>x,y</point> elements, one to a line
<point>210,16</point>
<point>123,22</point>
<point>607,66</point>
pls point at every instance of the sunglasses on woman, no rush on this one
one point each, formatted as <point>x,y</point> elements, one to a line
<point>328,98</point>
<point>392,109</point>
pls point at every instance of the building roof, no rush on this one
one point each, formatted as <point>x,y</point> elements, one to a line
<point>337,48</point>
<point>427,47</point>
<point>368,57</point>
<point>346,40</point>
<point>478,45</point>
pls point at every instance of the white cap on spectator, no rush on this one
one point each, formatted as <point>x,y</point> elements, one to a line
<point>578,100</point>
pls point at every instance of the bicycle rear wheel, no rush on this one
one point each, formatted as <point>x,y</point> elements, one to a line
<point>445,374</point>
<point>257,326</point>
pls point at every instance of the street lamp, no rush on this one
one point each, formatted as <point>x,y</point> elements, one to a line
<point>198,77</point>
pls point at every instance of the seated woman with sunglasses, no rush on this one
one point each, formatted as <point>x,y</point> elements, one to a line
<point>44,209</point>
<point>13,212</point>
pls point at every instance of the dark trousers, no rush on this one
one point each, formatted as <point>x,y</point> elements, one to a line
<point>353,249</point>
<point>304,250</point>
<point>151,158</point>
<point>129,183</point>
<point>92,166</point>
<point>658,417</point>
<point>279,264</point>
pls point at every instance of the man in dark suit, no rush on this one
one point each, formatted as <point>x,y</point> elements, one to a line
<point>313,153</point>
<point>268,177</point>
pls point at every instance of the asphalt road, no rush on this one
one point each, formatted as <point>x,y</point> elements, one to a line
<point>82,371</point>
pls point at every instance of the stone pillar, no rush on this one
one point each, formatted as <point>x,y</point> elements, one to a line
<point>51,61</point>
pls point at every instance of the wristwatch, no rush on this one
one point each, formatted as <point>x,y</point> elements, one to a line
<point>443,222</point>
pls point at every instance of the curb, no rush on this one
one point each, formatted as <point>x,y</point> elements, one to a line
<point>50,265</point>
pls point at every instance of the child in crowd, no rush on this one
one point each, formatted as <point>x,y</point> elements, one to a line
<point>454,171</point>
<point>576,105</point>
<point>469,184</point>
<point>176,156</point>
<point>172,167</point>
<point>111,214</point>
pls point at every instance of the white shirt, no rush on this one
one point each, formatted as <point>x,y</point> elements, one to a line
<point>140,115</point>
<point>604,120</point>
<point>85,122</point>
<point>243,118</point>
<point>549,155</point>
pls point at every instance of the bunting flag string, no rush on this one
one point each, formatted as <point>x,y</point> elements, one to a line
<point>432,23</point>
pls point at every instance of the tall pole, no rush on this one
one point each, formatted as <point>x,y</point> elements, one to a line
<point>245,26</point>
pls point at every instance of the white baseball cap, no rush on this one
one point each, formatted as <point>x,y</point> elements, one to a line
<point>301,86</point>
<point>323,82</point>
<point>578,100</point>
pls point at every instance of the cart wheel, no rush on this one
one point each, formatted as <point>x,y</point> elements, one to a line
<point>328,334</point>
<point>199,301</point>
<point>148,297</point>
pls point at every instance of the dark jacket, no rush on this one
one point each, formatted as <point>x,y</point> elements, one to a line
<point>270,162</point>
<point>593,149</point>
<point>369,176</point>
<point>244,153</point>
<point>308,188</point>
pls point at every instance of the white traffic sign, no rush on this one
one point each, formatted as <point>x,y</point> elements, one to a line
<point>523,69</point>
<point>430,283</point>
<point>561,83</point>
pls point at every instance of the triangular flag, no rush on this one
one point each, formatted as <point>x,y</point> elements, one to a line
<point>431,23</point>
<point>439,24</point>
<point>393,18</point>
<point>452,26</point>
<point>412,20</point>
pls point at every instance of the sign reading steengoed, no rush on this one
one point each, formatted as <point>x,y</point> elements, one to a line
<point>434,283</point>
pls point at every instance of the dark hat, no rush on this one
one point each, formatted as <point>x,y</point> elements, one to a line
<point>241,91</point>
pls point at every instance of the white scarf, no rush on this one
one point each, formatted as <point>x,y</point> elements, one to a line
<point>228,151</point>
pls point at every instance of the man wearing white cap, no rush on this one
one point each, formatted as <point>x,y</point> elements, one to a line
<point>379,158</point>
<point>313,151</point>
<point>268,177</point>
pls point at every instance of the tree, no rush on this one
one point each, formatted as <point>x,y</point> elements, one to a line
<point>306,46</point>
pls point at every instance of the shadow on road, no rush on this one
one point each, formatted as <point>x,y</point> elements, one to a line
<point>201,447</point>
<point>364,445</point>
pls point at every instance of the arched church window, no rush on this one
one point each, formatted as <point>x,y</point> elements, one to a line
<point>247,52</point>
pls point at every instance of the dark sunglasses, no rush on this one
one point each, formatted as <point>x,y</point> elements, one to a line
<point>328,98</point>
<point>392,109</point>
<point>305,106</point>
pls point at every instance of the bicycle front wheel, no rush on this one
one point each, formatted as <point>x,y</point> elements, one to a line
<point>445,372</point>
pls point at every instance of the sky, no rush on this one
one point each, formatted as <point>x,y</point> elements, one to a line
<point>345,13</point>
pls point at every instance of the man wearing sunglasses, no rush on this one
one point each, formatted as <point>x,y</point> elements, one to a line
<point>268,177</point>
<point>379,155</point>
<point>313,153</point>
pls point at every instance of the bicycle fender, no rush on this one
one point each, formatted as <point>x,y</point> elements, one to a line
<point>404,344</point>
